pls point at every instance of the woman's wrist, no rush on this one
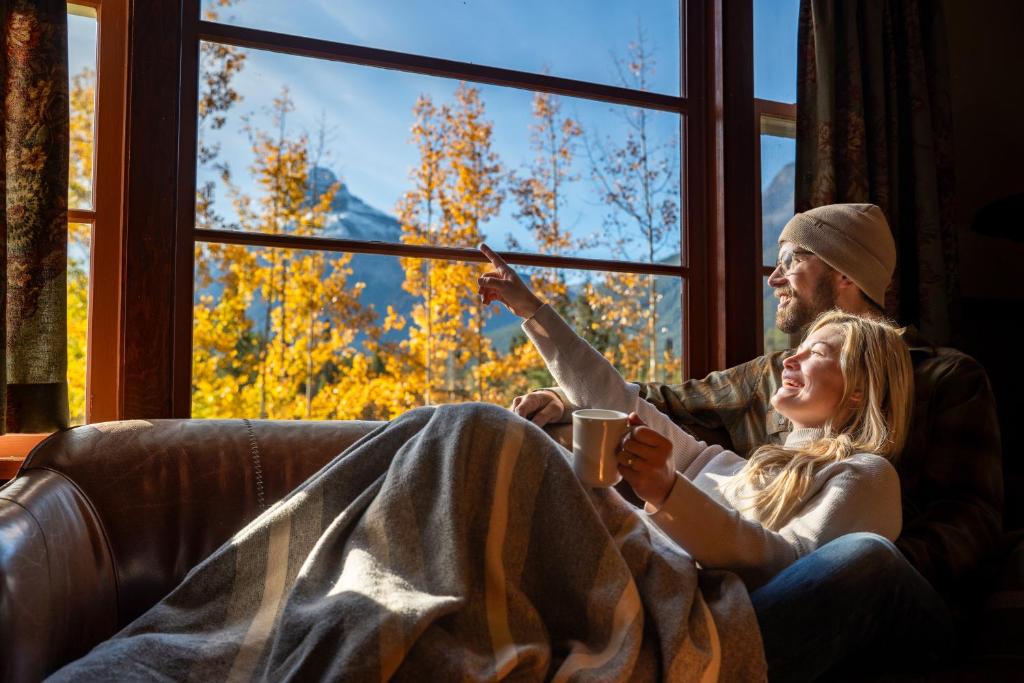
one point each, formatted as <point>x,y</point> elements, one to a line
<point>530,308</point>
<point>659,502</point>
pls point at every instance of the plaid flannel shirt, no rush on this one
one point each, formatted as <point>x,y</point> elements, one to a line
<point>950,470</point>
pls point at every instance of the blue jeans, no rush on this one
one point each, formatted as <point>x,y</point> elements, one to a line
<point>853,602</point>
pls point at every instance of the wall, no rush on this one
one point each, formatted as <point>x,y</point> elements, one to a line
<point>986,48</point>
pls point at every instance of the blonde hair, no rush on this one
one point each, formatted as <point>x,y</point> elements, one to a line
<point>876,364</point>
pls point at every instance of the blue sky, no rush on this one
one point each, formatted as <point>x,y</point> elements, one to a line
<point>368,111</point>
<point>775,25</point>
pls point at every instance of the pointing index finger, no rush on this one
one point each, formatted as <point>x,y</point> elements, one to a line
<point>493,257</point>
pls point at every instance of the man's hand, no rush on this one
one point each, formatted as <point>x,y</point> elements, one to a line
<point>540,407</point>
<point>504,285</point>
<point>645,461</point>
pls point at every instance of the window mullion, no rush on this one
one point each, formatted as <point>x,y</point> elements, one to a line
<point>239,36</point>
<point>434,252</point>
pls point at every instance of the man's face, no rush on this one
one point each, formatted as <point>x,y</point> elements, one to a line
<point>804,285</point>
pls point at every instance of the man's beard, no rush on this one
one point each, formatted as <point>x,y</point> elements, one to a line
<point>798,314</point>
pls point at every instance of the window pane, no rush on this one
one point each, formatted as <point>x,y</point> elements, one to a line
<point>569,38</point>
<point>778,181</point>
<point>775,26</point>
<point>79,241</point>
<point>774,338</point>
<point>284,333</point>
<point>82,92</point>
<point>336,150</point>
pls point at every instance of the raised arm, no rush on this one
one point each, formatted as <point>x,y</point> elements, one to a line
<point>583,374</point>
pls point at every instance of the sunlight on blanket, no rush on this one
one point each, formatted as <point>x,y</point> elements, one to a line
<point>296,499</point>
<point>364,575</point>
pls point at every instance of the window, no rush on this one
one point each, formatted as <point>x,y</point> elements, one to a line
<point>208,215</point>
<point>82,217</point>
<point>775,26</point>
<point>341,187</point>
<point>96,70</point>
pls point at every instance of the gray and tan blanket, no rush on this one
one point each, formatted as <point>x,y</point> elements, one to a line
<point>453,543</point>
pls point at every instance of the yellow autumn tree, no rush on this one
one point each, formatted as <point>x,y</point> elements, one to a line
<point>457,188</point>
<point>274,328</point>
<point>224,344</point>
<point>82,101</point>
<point>420,213</point>
<point>475,196</point>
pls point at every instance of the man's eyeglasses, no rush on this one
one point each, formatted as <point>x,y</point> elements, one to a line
<point>788,260</point>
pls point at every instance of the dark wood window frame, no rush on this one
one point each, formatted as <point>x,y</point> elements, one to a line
<point>158,231</point>
<point>765,109</point>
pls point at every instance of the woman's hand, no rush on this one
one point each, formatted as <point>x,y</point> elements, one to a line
<point>645,461</point>
<point>502,284</point>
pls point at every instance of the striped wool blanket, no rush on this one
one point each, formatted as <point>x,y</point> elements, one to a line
<point>453,543</point>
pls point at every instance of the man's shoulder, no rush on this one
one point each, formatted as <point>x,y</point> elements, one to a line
<point>748,373</point>
<point>775,358</point>
<point>769,365</point>
<point>942,364</point>
<point>760,364</point>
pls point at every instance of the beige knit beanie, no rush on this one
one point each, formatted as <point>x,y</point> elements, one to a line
<point>855,239</point>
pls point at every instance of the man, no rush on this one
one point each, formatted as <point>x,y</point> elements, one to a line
<point>843,256</point>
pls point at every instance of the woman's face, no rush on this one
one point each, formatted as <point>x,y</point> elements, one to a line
<point>812,380</point>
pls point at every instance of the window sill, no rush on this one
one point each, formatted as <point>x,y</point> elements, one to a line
<point>13,449</point>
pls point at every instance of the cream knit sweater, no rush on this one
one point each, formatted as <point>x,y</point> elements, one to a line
<point>861,493</point>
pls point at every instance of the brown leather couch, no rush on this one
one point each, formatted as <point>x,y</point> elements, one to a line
<point>104,520</point>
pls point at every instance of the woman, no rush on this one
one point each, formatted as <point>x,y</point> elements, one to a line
<point>847,390</point>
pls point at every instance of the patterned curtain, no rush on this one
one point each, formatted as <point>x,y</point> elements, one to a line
<point>33,229</point>
<point>874,125</point>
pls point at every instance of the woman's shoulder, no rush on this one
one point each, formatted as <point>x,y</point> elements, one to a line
<point>865,466</point>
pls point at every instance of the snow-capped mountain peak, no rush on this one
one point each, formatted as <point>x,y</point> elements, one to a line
<point>351,217</point>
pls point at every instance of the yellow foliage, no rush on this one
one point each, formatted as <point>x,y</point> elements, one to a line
<point>286,364</point>
<point>78,318</point>
<point>82,101</point>
<point>82,97</point>
<point>456,189</point>
<point>277,332</point>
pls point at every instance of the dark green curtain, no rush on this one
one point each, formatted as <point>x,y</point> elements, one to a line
<point>874,125</point>
<point>33,228</point>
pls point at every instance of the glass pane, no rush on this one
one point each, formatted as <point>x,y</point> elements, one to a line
<point>775,26</point>
<point>774,338</point>
<point>778,182</point>
<point>82,94</point>
<point>336,150</point>
<point>569,38</point>
<point>282,333</point>
<point>79,241</point>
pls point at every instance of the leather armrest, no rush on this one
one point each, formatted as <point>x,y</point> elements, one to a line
<point>57,589</point>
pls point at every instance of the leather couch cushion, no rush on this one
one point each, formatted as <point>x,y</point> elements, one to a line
<point>170,492</point>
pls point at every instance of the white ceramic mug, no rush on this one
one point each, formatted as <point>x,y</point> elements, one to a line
<point>596,435</point>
